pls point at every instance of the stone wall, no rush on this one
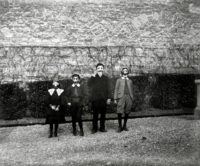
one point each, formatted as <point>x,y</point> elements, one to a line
<point>42,63</point>
<point>43,37</point>
<point>157,23</point>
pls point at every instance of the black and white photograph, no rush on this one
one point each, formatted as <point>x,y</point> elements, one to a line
<point>99,82</point>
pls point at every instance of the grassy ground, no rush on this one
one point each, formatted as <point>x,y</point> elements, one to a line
<point>150,141</point>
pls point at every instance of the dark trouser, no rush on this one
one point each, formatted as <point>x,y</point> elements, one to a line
<point>55,129</point>
<point>76,115</point>
<point>99,107</point>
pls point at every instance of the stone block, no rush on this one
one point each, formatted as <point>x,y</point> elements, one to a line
<point>147,35</point>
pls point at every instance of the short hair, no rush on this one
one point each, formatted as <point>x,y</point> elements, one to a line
<point>76,75</point>
<point>99,64</point>
<point>123,69</point>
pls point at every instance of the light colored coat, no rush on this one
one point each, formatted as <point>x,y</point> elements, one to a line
<point>120,86</point>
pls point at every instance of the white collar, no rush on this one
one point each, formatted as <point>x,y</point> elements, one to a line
<point>125,78</point>
<point>78,85</point>
<point>51,91</point>
<point>59,91</point>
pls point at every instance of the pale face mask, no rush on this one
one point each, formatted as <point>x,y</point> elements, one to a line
<point>100,70</point>
<point>125,72</point>
<point>75,79</point>
<point>55,84</point>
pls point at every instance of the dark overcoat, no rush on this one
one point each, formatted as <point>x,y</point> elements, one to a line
<point>99,88</point>
<point>56,99</point>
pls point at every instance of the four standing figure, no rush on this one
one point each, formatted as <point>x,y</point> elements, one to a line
<point>99,86</point>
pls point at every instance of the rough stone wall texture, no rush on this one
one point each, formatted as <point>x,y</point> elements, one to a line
<point>42,37</point>
<point>42,63</point>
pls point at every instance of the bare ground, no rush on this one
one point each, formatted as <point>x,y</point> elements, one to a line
<point>168,141</point>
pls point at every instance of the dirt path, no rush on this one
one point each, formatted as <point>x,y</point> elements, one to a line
<point>150,141</point>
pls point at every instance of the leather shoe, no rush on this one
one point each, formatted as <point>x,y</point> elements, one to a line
<point>119,130</point>
<point>50,135</point>
<point>103,130</point>
<point>93,131</point>
<point>74,132</point>
<point>125,129</point>
<point>81,133</point>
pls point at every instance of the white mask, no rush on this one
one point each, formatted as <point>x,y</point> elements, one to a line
<point>100,70</point>
<point>55,83</point>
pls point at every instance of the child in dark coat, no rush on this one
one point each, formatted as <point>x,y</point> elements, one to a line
<point>55,108</point>
<point>76,96</point>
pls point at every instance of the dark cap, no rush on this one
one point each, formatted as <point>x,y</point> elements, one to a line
<point>76,75</point>
<point>99,64</point>
<point>123,70</point>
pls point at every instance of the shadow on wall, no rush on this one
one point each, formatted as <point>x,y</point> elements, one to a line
<point>151,91</point>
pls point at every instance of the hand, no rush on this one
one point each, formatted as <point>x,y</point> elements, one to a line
<point>108,101</point>
<point>52,107</point>
<point>57,108</point>
<point>86,108</point>
<point>69,104</point>
<point>115,101</point>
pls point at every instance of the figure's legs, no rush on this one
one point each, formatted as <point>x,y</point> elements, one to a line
<point>50,130</point>
<point>56,129</point>
<point>102,106</point>
<point>125,122</point>
<point>73,114</point>
<point>128,105</point>
<point>81,128</point>
<point>120,123</point>
<point>95,116</point>
<point>120,111</point>
<point>79,119</point>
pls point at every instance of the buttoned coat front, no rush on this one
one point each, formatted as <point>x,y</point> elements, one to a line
<point>99,88</point>
<point>120,86</point>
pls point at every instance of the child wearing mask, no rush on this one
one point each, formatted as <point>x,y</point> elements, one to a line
<point>76,98</point>
<point>55,108</point>
<point>99,86</point>
<point>123,97</point>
